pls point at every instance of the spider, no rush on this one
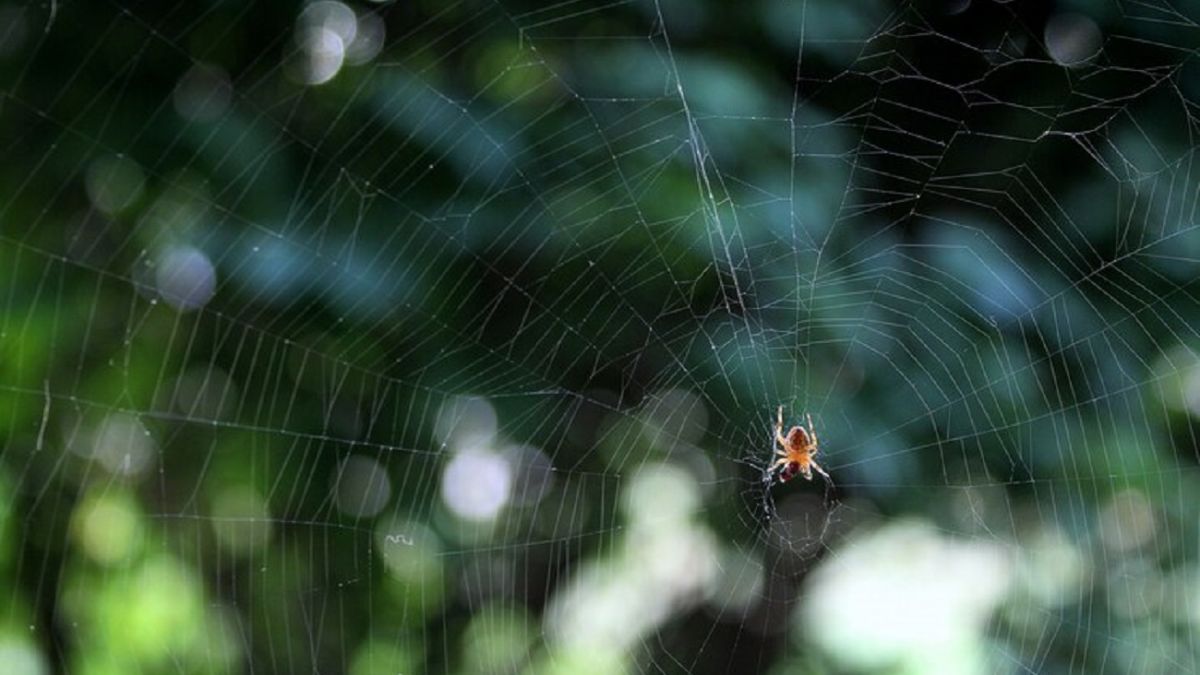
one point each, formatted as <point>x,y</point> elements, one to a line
<point>798,449</point>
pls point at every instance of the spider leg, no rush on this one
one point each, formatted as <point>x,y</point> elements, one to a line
<point>817,467</point>
<point>812,432</point>
<point>779,437</point>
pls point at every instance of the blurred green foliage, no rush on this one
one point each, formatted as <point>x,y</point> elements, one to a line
<point>973,265</point>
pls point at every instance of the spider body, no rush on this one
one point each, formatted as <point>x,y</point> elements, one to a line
<point>797,450</point>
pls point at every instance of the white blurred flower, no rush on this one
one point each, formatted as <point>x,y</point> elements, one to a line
<point>666,565</point>
<point>908,598</point>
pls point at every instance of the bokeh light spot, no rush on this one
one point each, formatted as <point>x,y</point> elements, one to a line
<point>1072,39</point>
<point>324,30</point>
<point>1127,522</point>
<point>241,520</point>
<point>108,527</point>
<point>368,40</point>
<point>185,278</point>
<point>906,597</point>
<point>467,421</point>
<point>114,183</point>
<point>477,484</point>
<point>122,444</point>
<point>21,657</point>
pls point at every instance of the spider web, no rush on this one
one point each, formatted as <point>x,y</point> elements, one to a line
<point>410,337</point>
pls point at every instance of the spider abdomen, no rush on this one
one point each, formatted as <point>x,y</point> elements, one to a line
<point>789,471</point>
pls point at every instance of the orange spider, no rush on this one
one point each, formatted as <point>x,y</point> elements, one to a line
<point>798,449</point>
